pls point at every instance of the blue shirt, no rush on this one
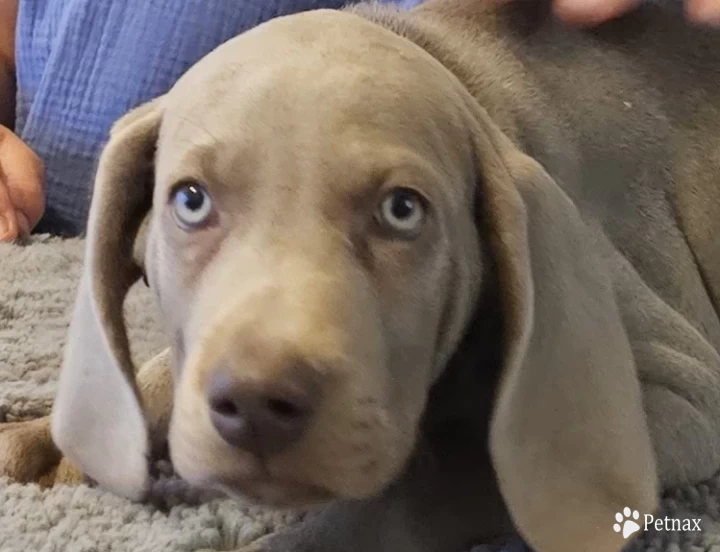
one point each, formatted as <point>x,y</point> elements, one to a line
<point>81,64</point>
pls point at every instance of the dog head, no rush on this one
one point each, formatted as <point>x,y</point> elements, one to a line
<point>317,193</point>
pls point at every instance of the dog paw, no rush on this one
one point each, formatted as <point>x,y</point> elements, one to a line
<point>27,452</point>
<point>66,473</point>
<point>28,455</point>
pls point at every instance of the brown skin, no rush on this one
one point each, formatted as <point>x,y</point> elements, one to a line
<point>22,200</point>
<point>8,18</point>
<point>594,12</point>
<point>22,176</point>
<point>587,13</point>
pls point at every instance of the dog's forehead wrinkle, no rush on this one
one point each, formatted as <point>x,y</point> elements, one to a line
<point>176,120</point>
<point>187,148</point>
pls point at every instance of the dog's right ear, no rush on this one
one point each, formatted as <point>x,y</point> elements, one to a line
<point>97,419</point>
<point>569,439</point>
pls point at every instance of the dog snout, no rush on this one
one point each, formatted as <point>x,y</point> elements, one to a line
<point>261,418</point>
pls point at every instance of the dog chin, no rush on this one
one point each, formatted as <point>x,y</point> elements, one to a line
<point>254,484</point>
<point>275,493</point>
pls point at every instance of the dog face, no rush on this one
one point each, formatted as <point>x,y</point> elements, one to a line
<point>319,191</point>
<point>314,257</point>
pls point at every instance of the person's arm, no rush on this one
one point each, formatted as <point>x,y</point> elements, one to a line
<point>22,198</point>
<point>8,19</point>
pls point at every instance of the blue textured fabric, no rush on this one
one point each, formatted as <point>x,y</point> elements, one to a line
<point>81,64</point>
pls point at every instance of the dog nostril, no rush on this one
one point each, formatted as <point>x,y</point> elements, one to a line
<point>225,408</point>
<point>285,409</point>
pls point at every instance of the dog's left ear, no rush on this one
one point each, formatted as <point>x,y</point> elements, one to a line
<point>98,420</point>
<point>568,435</point>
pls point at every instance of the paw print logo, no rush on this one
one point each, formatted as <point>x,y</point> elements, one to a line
<point>627,522</point>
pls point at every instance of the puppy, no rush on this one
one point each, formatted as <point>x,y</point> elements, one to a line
<point>452,272</point>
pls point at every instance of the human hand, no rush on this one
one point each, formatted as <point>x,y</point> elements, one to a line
<point>22,178</point>
<point>593,12</point>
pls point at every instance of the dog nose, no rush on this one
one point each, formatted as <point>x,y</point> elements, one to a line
<point>262,419</point>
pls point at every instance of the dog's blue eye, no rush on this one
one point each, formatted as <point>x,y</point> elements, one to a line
<point>192,204</point>
<point>402,210</point>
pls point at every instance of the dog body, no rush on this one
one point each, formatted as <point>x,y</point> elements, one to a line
<point>599,109</point>
<point>455,269</point>
<point>620,117</point>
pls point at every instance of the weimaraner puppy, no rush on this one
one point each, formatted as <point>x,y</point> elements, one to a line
<point>451,273</point>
